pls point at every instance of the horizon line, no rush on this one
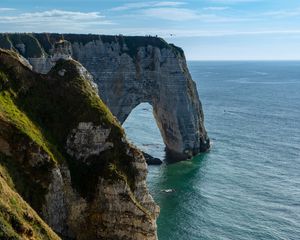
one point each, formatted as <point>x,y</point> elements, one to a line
<point>244,60</point>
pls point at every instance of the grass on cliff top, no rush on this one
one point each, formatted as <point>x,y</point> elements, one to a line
<point>17,127</point>
<point>5,42</point>
<point>76,101</point>
<point>29,181</point>
<point>48,107</point>
<point>38,44</point>
<point>18,221</point>
<point>59,103</point>
<point>32,45</point>
<point>10,112</point>
<point>133,43</point>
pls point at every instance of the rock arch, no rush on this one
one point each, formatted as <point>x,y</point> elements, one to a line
<point>161,78</point>
<point>131,70</point>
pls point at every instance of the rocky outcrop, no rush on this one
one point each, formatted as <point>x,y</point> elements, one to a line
<point>65,154</point>
<point>129,71</point>
<point>152,160</point>
<point>87,140</point>
<point>17,219</point>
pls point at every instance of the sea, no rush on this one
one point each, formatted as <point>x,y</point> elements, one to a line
<point>248,185</point>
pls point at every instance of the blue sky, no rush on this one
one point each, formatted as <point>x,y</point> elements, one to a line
<point>205,29</point>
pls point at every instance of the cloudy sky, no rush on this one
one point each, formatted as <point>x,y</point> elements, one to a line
<point>205,29</point>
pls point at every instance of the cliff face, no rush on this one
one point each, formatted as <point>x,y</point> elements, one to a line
<point>129,71</point>
<point>63,152</point>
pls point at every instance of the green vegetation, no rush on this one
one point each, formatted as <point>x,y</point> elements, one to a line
<point>4,41</point>
<point>58,104</point>
<point>37,114</point>
<point>20,120</point>
<point>29,181</point>
<point>46,108</point>
<point>17,219</point>
<point>177,50</point>
<point>132,42</point>
<point>76,101</point>
<point>46,40</point>
<point>15,126</point>
<point>33,47</point>
<point>112,164</point>
<point>13,40</point>
<point>39,43</point>
<point>3,81</point>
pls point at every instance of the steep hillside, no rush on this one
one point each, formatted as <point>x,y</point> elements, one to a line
<point>17,219</point>
<point>67,156</point>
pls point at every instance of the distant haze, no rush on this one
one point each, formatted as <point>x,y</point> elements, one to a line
<point>206,29</point>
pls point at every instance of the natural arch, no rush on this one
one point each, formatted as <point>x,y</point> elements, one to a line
<point>171,92</point>
<point>132,70</point>
<point>158,76</point>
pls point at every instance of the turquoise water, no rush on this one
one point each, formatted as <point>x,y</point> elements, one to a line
<point>248,185</point>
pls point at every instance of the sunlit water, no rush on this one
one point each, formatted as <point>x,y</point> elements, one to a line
<point>248,185</point>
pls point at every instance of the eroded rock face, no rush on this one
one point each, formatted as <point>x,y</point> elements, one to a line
<point>157,76</point>
<point>87,140</point>
<point>61,50</point>
<point>116,212</point>
<point>92,183</point>
<point>54,210</point>
<point>4,147</point>
<point>132,70</point>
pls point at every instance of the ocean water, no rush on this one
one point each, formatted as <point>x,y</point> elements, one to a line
<point>248,185</point>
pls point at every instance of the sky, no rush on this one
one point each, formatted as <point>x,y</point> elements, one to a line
<point>205,29</point>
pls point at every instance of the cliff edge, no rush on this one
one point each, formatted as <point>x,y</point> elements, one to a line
<point>64,158</point>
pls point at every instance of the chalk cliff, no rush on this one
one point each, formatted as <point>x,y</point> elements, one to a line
<point>129,71</point>
<point>64,158</point>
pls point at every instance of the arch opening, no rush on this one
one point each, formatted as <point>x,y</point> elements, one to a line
<point>142,130</point>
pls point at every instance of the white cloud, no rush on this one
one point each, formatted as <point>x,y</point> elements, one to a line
<point>139,5</point>
<point>56,17</point>
<point>196,33</point>
<point>234,1</point>
<point>215,8</point>
<point>7,9</point>
<point>184,14</point>
<point>283,13</point>
<point>53,20</point>
<point>63,15</point>
<point>176,11</point>
<point>173,14</point>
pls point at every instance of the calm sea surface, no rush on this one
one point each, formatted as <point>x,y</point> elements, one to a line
<point>248,185</point>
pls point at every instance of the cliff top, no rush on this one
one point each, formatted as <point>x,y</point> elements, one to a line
<point>38,44</point>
